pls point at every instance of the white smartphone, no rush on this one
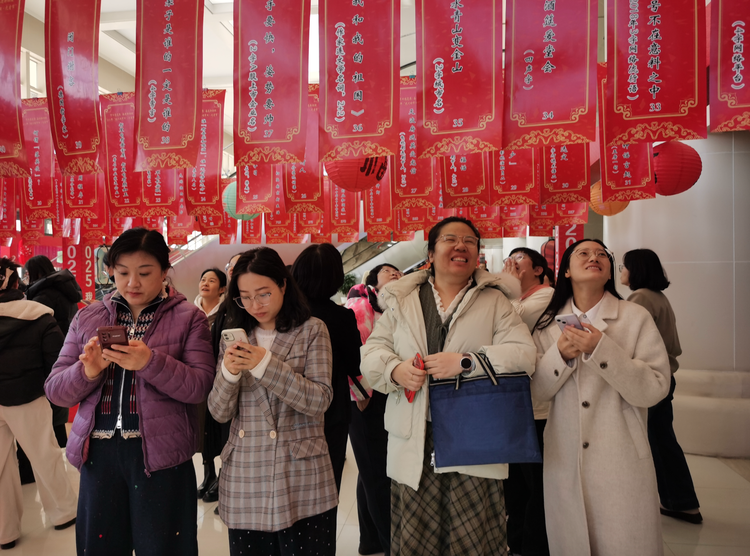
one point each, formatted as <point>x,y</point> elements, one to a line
<point>233,335</point>
<point>568,320</point>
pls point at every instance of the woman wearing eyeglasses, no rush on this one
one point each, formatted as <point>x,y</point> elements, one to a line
<point>599,483</point>
<point>447,315</point>
<point>277,492</point>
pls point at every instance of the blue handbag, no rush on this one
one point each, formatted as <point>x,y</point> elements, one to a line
<point>483,420</point>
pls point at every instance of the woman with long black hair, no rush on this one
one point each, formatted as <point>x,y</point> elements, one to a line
<point>277,492</point>
<point>599,482</point>
<point>642,272</point>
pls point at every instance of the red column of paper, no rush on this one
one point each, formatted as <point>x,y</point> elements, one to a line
<point>118,126</point>
<point>168,81</point>
<point>460,82</point>
<point>565,174</point>
<point>255,188</point>
<point>730,93</point>
<point>271,52</point>
<point>466,180</point>
<point>542,220</point>
<point>81,195</point>
<point>656,72</point>
<point>180,226</point>
<point>13,161</point>
<point>278,223</point>
<point>344,215</point>
<point>72,62</point>
<point>359,87</point>
<point>95,229</point>
<point>252,231</point>
<point>160,192</point>
<point>8,220</point>
<point>514,220</point>
<point>38,191</point>
<point>571,213</point>
<point>378,214</point>
<point>515,176</point>
<point>551,47</point>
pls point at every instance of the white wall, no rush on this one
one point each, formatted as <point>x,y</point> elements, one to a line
<point>703,239</point>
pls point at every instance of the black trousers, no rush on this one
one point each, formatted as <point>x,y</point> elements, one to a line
<point>524,502</point>
<point>314,535</point>
<point>370,445</point>
<point>120,508</point>
<point>336,436</point>
<point>676,490</point>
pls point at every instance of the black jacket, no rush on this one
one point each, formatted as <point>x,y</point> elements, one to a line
<point>61,293</point>
<point>345,344</point>
<point>30,342</point>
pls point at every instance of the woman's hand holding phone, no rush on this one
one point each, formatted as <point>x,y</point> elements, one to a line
<point>407,375</point>
<point>584,341</point>
<point>132,357</point>
<point>243,357</point>
<point>93,359</point>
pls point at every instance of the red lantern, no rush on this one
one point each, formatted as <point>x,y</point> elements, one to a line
<point>357,174</point>
<point>610,208</point>
<point>677,167</point>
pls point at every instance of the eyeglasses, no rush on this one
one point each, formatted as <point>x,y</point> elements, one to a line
<point>518,257</point>
<point>387,270</point>
<point>261,299</point>
<point>600,254</point>
<point>620,267</point>
<point>452,239</point>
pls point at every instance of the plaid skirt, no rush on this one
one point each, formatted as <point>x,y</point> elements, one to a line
<point>450,515</point>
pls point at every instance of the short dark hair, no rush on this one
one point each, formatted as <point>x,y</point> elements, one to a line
<point>434,234</point>
<point>219,274</point>
<point>6,263</point>
<point>264,261</point>
<point>372,276</point>
<point>564,287</point>
<point>646,270</point>
<point>537,260</point>
<point>319,271</point>
<point>140,239</point>
<point>39,267</point>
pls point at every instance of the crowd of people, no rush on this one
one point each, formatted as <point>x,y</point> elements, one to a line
<point>266,372</point>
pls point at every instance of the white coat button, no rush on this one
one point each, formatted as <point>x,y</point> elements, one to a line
<point>242,433</point>
<point>272,434</point>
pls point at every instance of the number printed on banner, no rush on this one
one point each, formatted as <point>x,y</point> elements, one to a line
<point>655,107</point>
<point>357,127</point>
<point>458,123</point>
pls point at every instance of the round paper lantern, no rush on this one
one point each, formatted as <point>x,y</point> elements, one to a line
<point>609,208</point>
<point>677,167</point>
<point>229,200</point>
<point>357,174</point>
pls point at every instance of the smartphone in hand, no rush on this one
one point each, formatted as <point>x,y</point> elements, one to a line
<point>418,364</point>
<point>568,320</point>
<point>233,335</point>
<point>112,335</point>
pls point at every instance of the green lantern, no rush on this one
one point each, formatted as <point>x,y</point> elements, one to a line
<point>229,200</point>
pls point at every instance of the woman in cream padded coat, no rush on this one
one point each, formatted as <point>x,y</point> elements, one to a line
<point>600,491</point>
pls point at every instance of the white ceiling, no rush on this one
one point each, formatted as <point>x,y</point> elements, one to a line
<point>117,41</point>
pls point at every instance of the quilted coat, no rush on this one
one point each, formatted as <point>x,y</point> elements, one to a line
<point>178,375</point>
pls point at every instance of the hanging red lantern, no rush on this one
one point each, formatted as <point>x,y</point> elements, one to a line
<point>677,167</point>
<point>357,174</point>
<point>609,208</point>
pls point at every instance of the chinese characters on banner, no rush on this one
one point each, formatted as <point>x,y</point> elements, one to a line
<point>378,214</point>
<point>81,195</point>
<point>270,81</point>
<point>571,213</point>
<point>344,213</point>
<point>565,174</point>
<point>255,188</point>
<point>168,81</point>
<point>80,261</point>
<point>460,81</point>
<point>411,177</point>
<point>626,169</point>
<point>252,231</point>
<point>180,226</point>
<point>94,229</point>
<point>656,74</point>
<point>160,192</point>
<point>123,184</point>
<point>551,47</point>
<point>8,218</point>
<point>72,61</point>
<point>514,220</point>
<point>13,161</point>
<point>515,176</point>
<point>203,194</point>
<point>542,220</point>
<point>359,85</point>
<point>730,93</point>
<point>303,181</point>
<point>465,180</point>
<point>278,223</point>
<point>38,189</point>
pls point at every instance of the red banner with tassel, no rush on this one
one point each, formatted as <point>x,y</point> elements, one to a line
<point>730,86</point>
<point>656,71</point>
<point>565,174</point>
<point>71,29</point>
<point>271,53</point>
<point>515,176</point>
<point>13,162</point>
<point>460,80</point>
<point>38,191</point>
<point>359,85</point>
<point>168,82</point>
<point>551,46</point>
<point>123,184</point>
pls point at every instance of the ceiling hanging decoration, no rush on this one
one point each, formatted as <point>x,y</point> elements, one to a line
<point>677,167</point>
<point>605,208</point>
<point>357,174</point>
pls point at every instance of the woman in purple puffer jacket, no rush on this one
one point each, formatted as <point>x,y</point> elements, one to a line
<point>136,429</point>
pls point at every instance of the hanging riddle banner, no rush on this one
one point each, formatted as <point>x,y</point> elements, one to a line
<point>542,220</point>
<point>168,81</point>
<point>255,188</point>
<point>359,67</point>
<point>38,190</point>
<point>180,226</point>
<point>81,195</point>
<point>551,47</point>
<point>465,179</point>
<point>565,174</point>
<point>515,177</point>
<point>271,52</point>
<point>626,170</point>
<point>656,71</point>
<point>160,192</point>
<point>71,29</point>
<point>123,184</point>
<point>460,81</point>
<point>8,219</point>
<point>252,231</point>
<point>378,214</point>
<point>13,161</point>
<point>730,77</point>
<point>344,213</point>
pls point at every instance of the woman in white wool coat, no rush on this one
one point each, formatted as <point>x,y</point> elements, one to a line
<point>599,481</point>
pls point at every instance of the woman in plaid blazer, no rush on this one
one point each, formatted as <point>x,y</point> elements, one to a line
<point>277,492</point>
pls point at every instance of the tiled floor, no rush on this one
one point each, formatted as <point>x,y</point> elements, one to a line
<point>723,492</point>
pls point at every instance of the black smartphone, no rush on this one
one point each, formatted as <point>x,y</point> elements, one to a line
<point>112,335</point>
